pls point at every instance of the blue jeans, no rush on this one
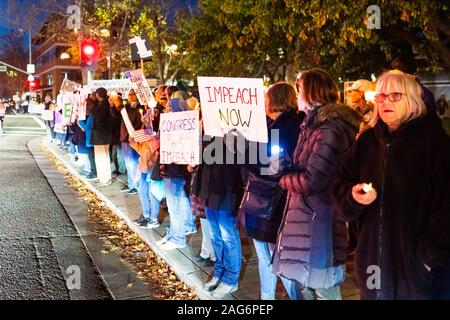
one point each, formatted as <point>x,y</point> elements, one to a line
<point>179,207</point>
<point>267,279</point>
<point>227,245</point>
<point>131,158</point>
<point>150,205</point>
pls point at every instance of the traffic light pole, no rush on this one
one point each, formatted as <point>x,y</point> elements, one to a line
<point>12,67</point>
<point>29,45</point>
<point>29,61</point>
<point>110,43</point>
<point>85,74</point>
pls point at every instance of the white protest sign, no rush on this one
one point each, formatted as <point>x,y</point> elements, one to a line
<point>141,87</point>
<point>47,115</point>
<point>59,128</point>
<point>64,104</point>
<point>67,111</point>
<point>74,99</point>
<point>70,86</point>
<point>180,137</point>
<point>2,109</point>
<point>112,86</point>
<point>127,121</point>
<point>233,103</point>
<point>84,94</point>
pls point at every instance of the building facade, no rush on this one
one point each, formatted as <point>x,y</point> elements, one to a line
<point>52,59</point>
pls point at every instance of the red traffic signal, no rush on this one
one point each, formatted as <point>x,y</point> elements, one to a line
<point>33,84</point>
<point>89,53</point>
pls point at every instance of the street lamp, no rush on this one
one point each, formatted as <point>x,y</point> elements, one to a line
<point>64,56</point>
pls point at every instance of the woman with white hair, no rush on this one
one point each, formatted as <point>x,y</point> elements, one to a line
<point>395,185</point>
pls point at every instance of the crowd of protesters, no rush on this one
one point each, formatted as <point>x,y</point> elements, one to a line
<point>373,175</point>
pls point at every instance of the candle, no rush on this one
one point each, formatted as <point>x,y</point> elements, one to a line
<point>367,187</point>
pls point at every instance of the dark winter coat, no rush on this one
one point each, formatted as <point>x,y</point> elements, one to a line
<point>219,186</point>
<point>311,244</point>
<point>79,136</point>
<point>116,119</point>
<point>135,119</point>
<point>258,227</point>
<point>408,225</point>
<point>101,124</point>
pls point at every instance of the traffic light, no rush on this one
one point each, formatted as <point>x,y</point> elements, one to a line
<point>89,54</point>
<point>32,84</point>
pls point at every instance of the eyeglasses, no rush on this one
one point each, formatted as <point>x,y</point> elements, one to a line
<point>393,97</point>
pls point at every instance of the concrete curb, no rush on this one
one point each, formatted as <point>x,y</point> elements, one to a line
<point>93,244</point>
<point>172,258</point>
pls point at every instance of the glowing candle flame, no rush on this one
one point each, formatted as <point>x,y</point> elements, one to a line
<point>367,187</point>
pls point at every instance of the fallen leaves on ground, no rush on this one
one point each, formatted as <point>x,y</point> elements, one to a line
<point>120,238</point>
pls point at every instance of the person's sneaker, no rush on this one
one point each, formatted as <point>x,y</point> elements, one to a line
<point>149,224</point>
<point>116,172</point>
<point>207,262</point>
<point>211,284</point>
<point>140,219</point>
<point>144,223</point>
<point>124,189</point>
<point>84,173</point>
<point>91,177</point>
<point>153,224</point>
<point>210,263</point>
<point>190,232</point>
<point>170,245</point>
<point>106,183</point>
<point>132,191</point>
<point>223,289</point>
<point>199,258</point>
<point>162,241</point>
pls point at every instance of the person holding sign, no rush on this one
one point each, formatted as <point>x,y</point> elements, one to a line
<point>263,202</point>
<point>395,184</point>
<point>148,150</point>
<point>131,157</point>
<point>176,185</point>
<point>311,244</point>
<point>219,187</point>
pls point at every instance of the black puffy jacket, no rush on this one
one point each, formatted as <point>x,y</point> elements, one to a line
<point>311,240</point>
<point>408,225</point>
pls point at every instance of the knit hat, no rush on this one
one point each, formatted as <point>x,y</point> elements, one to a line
<point>178,104</point>
<point>362,85</point>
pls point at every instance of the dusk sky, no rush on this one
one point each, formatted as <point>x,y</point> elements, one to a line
<point>15,9</point>
<point>26,10</point>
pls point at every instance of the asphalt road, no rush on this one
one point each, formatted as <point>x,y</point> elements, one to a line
<point>40,249</point>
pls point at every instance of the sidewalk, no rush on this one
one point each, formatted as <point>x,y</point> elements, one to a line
<point>192,273</point>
